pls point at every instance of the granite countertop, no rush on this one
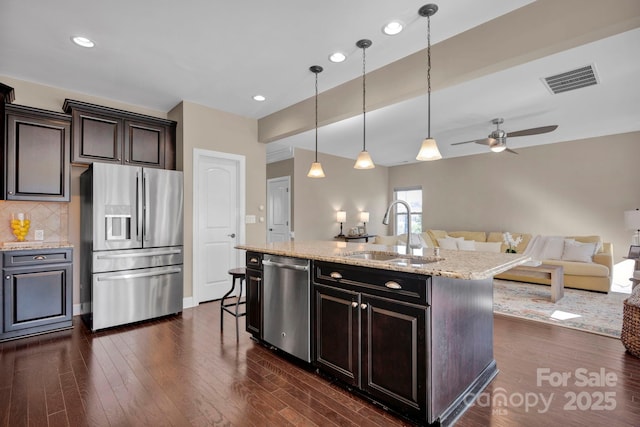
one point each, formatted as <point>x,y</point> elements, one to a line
<point>469,265</point>
<point>14,246</point>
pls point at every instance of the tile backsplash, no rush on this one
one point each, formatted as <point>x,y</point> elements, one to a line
<point>51,217</point>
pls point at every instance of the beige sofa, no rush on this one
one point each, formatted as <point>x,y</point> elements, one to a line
<point>596,275</point>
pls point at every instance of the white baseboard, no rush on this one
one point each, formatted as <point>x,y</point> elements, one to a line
<point>188,302</point>
<point>77,310</point>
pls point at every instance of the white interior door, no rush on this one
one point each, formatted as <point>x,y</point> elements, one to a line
<point>219,196</point>
<point>278,209</point>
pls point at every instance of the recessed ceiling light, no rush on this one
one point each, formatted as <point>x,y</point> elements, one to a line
<point>393,28</point>
<point>337,57</point>
<point>82,41</point>
<point>259,98</point>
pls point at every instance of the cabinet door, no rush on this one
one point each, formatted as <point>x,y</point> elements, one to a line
<point>254,302</point>
<point>96,138</point>
<point>37,163</point>
<point>337,325</point>
<point>37,297</point>
<point>144,144</point>
<point>394,353</point>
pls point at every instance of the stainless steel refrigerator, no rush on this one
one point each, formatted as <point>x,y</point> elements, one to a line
<point>131,244</point>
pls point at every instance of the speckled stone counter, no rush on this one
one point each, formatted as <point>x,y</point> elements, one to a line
<point>16,246</point>
<point>468,265</point>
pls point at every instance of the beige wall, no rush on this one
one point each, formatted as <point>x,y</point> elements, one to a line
<point>571,188</point>
<point>205,128</point>
<point>215,130</point>
<point>344,188</point>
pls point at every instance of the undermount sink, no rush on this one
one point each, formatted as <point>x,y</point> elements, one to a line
<point>373,255</point>
<point>394,258</point>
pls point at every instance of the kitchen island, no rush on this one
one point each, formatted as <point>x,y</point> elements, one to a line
<point>413,333</point>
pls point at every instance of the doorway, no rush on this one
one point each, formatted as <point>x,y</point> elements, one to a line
<point>218,210</point>
<point>279,209</point>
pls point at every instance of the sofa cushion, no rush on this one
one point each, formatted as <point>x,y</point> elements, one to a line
<point>427,239</point>
<point>496,236</point>
<point>553,247</point>
<point>589,239</point>
<point>434,235</point>
<point>416,240</point>
<point>576,251</point>
<point>478,236</point>
<point>449,242</point>
<point>467,245</point>
<point>385,240</point>
<point>576,268</point>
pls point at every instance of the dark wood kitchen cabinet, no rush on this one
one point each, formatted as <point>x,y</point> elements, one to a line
<point>36,164</point>
<point>367,338</point>
<point>37,292</point>
<point>254,293</point>
<point>108,135</point>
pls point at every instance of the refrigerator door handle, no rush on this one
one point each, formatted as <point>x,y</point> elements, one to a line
<point>138,207</point>
<point>137,255</point>
<point>137,275</point>
<point>145,192</point>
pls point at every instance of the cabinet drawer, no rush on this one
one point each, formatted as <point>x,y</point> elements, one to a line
<point>21,258</point>
<point>399,286</point>
<point>254,260</point>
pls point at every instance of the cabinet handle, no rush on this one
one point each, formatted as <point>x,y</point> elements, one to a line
<point>10,192</point>
<point>354,304</point>
<point>363,306</point>
<point>254,260</point>
<point>39,257</point>
<point>393,285</point>
<point>335,275</point>
<point>258,279</point>
<point>7,277</point>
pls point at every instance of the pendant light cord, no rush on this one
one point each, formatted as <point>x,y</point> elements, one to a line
<point>428,77</point>
<point>316,117</point>
<point>364,95</point>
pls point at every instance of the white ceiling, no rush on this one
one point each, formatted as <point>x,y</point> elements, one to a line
<point>155,54</point>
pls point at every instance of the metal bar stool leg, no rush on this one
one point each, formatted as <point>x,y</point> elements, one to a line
<point>237,305</point>
<point>232,308</point>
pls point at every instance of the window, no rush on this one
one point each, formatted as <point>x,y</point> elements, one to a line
<point>413,196</point>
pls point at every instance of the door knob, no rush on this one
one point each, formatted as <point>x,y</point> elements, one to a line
<point>232,235</point>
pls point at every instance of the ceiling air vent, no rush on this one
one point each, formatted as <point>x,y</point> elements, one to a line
<point>570,80</point>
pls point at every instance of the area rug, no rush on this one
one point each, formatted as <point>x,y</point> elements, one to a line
<point>584,310</point>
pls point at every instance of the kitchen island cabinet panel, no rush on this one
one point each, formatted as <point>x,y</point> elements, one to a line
<point>254,294</point>
<point>337,331</point>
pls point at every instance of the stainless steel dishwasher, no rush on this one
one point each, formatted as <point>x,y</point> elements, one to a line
<point>287,322</point>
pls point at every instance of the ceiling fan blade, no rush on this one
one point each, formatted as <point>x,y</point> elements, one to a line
<point>533,131</point>
<point>510,150</point>
<point>483,141</point>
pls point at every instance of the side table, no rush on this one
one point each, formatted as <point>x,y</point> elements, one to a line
<point>349,238</point>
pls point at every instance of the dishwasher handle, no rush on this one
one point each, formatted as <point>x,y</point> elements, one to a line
<point>283,265</point>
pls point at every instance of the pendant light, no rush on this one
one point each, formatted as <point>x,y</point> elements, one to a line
<point>429,149</point>
<point>364,159</point>
<point>316,168</point>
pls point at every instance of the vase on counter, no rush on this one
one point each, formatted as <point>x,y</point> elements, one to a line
<point>20,223</point>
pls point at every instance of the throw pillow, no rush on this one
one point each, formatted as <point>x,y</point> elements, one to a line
<point>488,246</point>
<point>576,251</point>
<point>416,241</point>
<point>449,242</point>
<point>553,248</point>
<point>466,245</point>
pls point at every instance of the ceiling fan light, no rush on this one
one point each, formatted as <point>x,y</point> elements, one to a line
<point>364,161</point>
<point>429,150</point>
<point>498,148</point>
<point>316,170</point>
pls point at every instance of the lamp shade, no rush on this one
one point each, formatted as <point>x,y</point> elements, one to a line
<point>364,216</point>
<point>429,150</point>
<point>632,219</point>
<point>316,170</point>
<point>341,216</point>
<point>364,161</point>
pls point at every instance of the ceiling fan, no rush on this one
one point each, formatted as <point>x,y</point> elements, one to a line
<point>497,140</point>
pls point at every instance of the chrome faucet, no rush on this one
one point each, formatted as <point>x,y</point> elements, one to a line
<point>385,220</point>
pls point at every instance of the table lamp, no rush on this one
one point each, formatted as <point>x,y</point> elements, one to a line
<point>364,217</point>
<point>341,217</point>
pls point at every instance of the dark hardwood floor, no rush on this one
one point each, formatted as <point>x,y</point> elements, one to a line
<point>181,371</point>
